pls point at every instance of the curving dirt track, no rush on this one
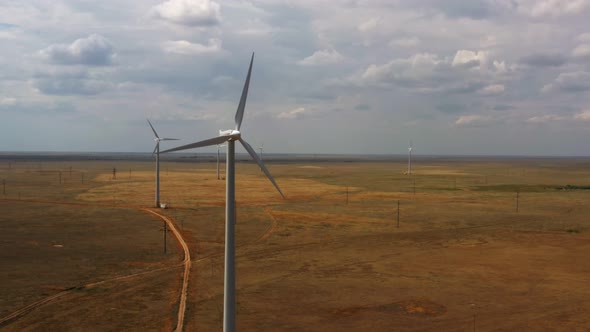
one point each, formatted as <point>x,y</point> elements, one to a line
<point>187,269</point>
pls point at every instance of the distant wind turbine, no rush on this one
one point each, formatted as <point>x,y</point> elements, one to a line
<point>157,152</point>
<point>231,136</point>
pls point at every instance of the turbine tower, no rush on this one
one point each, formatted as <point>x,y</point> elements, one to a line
<point>410,159</point>
<point>231,136</point>
<point>218,147</point>
<point>157,152</point>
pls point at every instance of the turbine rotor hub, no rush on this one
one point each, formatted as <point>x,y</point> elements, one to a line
<point>232,133</point>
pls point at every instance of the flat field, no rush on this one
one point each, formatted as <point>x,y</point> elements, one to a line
<point>480,244</point>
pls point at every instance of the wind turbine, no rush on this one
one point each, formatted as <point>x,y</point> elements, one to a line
<point>410,159</point>
<point>157,152</point>
<point>231,136</point>
<point>218,147</point>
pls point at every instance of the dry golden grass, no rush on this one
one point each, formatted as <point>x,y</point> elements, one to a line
<point>319,262</point>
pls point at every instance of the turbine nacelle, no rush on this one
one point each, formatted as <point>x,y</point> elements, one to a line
<point>231,133</point>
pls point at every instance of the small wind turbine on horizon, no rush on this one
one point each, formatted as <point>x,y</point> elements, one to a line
<point>410,159</point>
<point>157,153</point>
<point>231,136</point>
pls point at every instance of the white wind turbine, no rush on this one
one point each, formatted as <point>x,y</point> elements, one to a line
<point>410,159</point>
<point>218,147</point>
<point>231,136</point>
<point>157,152</point>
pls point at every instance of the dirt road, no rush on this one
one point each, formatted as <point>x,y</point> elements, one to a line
<point>187,269</point>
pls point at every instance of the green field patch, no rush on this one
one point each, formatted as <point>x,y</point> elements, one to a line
<point>515,187</point>
<point>530,188</point>
<point>573,187</point>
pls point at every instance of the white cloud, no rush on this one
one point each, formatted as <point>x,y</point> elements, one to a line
<point>545,118</point>
<point>405,42</point>
<point>322,57</point>
<point>473,120</point>
<point>187,48</point>
<point>584,37</point>
<point>469,59</point>
<point>189,12</point>
<point>582,51</point>
<point>489,42</point>
<point>7,101</point>
<point>500,67</point>
<point>292,114</point>
<point>94,50</point>
<point>369,25</point>
<point>554,8</point>
<point>7,34</point>
<point>569,82</point>
<point>255,28</point>
<point>418,65</point>
<point>494,89</point>
<point>584,116</point>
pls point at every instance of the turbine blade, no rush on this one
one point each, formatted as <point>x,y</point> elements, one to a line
<point>257,159</point>
<point>207,142</point>
<point>155,148</point>
<point>153,128</point>
<point>242,104</point>
<point>169,139</point>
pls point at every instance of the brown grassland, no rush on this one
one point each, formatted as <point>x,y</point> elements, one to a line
<point>330,257</point>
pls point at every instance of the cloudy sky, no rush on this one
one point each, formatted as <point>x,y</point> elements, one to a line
<point>507,77</point>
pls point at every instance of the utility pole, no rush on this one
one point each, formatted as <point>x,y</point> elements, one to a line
<point>59,177</point>
<point>517,197</point>
<point>398,213</point>
<point>114,173</point>
<point>346,195</point>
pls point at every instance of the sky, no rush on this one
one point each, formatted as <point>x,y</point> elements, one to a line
<point>456,77</point>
